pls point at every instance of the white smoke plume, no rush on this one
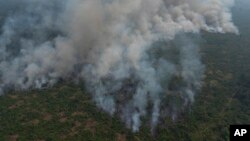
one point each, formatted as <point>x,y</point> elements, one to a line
<point>121,48</point>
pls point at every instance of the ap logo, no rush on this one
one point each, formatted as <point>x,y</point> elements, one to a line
<point>239,133</point>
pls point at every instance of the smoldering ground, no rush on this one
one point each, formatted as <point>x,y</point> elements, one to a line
<point>121,48</point>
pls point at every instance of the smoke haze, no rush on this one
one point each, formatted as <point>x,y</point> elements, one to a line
<point>115,46</point>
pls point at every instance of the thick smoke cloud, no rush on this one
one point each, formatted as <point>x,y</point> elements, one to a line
<point>122,49</point>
